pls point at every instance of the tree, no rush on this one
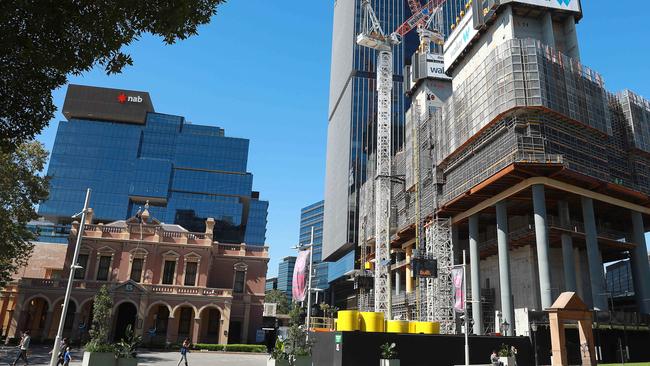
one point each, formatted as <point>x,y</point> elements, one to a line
<point>42,42</point>
<point>278,297</point>
<point>102,306</point>
<point>21,188</point>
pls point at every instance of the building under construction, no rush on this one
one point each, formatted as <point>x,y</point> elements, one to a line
<point>522,157</point>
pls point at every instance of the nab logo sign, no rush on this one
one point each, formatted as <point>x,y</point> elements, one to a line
<point>123,98</point>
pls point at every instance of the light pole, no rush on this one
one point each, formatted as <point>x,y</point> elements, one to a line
<point>465,308</point>
<point>309,246</point>
<point>68,290</point>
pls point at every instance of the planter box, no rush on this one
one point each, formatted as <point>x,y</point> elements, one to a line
<point>127,362</point>
<point>272,362</point>
<point>388,362</point>
<point>303,361</point>
<point>98,359</point>
<point>508,361</point>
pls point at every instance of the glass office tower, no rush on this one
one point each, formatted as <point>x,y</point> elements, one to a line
<point>312,216</point>
<point>285,275</point>
<point>116,144</point>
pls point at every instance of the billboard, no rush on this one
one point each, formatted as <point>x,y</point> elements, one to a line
<point>425,268</point>
<point>459,40</point>
<point>106,104</point>
<point>568,5</point>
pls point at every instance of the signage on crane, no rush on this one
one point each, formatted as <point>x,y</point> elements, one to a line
<point>569,5</point>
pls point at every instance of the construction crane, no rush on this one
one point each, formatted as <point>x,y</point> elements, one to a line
<point>374,37</point>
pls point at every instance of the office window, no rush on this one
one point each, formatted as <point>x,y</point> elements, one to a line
<point>168,272</point>
<point>103,268</point>
<point>240,277</point>
<point>190,273</point>
<point>80,273</point>
<point>136,269</point>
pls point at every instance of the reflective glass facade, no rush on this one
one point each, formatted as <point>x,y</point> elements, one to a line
<point>285,276</point>
<point>312,216</point>
<point>187,173</point>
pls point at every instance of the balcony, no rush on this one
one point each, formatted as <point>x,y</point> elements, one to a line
<point>39,283</point>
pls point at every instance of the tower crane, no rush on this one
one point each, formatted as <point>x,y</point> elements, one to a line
<point>374,37</point>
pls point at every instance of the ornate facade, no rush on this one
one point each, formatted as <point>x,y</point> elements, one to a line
<point>167,282</point>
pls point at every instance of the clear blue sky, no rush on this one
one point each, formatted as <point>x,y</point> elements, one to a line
<point>261,71</point>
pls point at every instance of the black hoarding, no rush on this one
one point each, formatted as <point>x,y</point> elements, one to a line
<point>105,104</point>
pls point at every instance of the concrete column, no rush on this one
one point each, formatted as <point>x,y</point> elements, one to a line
<point>571,39</point>
<point>475,269</point>
<point>409,270</point>
<point>398,281</point>
<point>196,329</point>
<point>225,324</point>
<point>507,308</point>
<point>541,236</point>
<point>548,35</point>
<point>640,266</point>
<point>247,314</point>
<point>596,274</point>
<point>567,248</point>
<point>455,244</point>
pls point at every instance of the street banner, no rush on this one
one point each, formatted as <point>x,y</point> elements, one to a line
<point>299,284</point>
<point>457,278</point>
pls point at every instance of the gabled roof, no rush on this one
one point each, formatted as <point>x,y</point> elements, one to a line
<point>569,301</point>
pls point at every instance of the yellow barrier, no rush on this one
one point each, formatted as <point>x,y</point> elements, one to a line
<point>397,326</point>
<point>427,328</point>
<point>372,322</point>
<point>348,320</point>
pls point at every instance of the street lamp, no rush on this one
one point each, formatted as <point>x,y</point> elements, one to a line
<point>73,266</point>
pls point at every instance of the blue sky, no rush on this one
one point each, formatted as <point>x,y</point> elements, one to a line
<point>261,71</point>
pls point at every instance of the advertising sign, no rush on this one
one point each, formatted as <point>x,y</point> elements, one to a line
<point>436,67</point>
<point>459,40</point>
<point>569,5</point>
<point>300,272</point>
<point>425,268</point>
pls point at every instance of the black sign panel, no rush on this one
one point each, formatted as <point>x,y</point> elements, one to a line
<point>105,104</point>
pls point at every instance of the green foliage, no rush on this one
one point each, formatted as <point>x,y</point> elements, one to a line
<point>388,351</point>
<point>296,343</point>
<point>507,351</point>
<point>21,188</point>
<point>278,297</point>
<point>278,352</point>
<point>254,348</point>
<point>127,346</point>
<point>102,306</point>
<point>328,310</point>
<point>45,41</point>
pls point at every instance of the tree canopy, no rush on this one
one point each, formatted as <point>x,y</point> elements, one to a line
<point>278,297</point>
<point>21,188</point>
<point>42,42</point>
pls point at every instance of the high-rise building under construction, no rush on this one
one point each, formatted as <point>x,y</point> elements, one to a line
<point>525,160</point>
<point>352,122</point>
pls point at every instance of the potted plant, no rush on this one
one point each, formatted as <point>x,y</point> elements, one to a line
<point>125,350</point>
<point>99,351</point>
<point>388,355</point>
<point>507,355</point>
<point>278,355</point>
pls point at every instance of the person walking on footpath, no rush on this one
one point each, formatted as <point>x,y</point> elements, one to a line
<point>62,347</point>
<point>185,348</point>
<point>67,357</point>
<point>23,347</point>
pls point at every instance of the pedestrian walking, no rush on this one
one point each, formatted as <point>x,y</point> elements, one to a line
<point>23,347</point>
<point>61,351</point>
<point>67,357</point>
<point>185,348</point>
<point>494,359</point>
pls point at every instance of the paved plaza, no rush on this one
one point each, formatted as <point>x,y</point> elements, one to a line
<point>39,356</point>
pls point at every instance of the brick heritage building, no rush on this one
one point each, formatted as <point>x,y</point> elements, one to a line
<point>167,282</point>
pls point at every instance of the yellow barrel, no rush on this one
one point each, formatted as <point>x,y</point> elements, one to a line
<point>397,326</point>
<point>372,322</point>
<point>348,320</point>
<point>427,328</point>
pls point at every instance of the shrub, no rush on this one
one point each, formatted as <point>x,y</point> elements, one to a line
<point>255,348</point>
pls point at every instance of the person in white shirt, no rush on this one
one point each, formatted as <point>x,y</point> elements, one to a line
<point>23,347</point>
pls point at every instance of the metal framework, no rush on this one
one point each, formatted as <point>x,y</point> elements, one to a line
<point>439,290</point>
